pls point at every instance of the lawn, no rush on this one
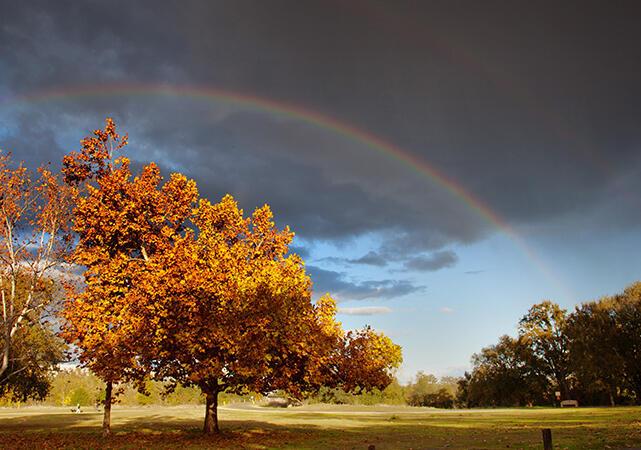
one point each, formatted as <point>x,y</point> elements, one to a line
<point>324,426</point>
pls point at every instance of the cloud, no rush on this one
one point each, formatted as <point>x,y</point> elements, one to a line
<point>333,260</point>
<point>473,272</point>
<point>446,310</point>
<point>521,137</point>
<point>371,259</point>
<point>365,310</point>
<point>408,259</point>
<point>336,284</point>
<point>433,262</point>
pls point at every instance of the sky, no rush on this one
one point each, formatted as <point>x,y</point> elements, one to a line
<point>444,164</point>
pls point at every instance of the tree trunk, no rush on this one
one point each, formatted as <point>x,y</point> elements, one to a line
<point>211,412</point>
<point>106,420</point>
<point>6,351</point>
<point>563,386</point>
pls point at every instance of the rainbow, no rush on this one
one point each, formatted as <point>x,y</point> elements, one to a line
<point>376,143</point>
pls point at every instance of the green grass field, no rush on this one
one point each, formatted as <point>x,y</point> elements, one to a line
<point>323,426</point>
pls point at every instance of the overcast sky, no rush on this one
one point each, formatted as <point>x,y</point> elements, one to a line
<point>533,110</point>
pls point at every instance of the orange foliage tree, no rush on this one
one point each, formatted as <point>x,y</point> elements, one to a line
<point>120,222</point>
<point>34,240</point>
<point>365,360</point>
<point>233,310</point>
<point>199,295</point>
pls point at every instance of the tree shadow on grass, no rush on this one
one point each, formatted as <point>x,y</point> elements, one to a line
<point>152,432</point>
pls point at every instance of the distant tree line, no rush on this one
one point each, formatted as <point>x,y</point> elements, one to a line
<point>80,387</point>
<point>77,386</point>
<point>592,354</point>
<point>423,390</point>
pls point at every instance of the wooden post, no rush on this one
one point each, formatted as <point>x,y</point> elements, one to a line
<point>547,439</point>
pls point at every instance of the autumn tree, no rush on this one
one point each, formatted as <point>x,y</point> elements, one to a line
<point>233,312</point>
<point>198,296</point>
<point>120,221</point>
<point>34,240</point>
<point>354,362</point>
<point>367,359</point>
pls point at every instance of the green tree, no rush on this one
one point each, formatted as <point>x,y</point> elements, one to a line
<point>394,394</point>
<point>594,341</point>
<point>463,391</point>
<point>34,350</point>
<point>543,330</point>
<point>422,385</point>
<point>80,396</point>
<point>427,390</point>
<point>439,399</point>
<point>504,374</point>
<point>627,318</point>
<point>64,382</point>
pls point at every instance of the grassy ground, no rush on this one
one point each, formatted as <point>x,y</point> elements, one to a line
<point>323,426</point>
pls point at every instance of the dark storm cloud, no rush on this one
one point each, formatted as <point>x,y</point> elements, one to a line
<point>46,45</point>
<point>534,108</point>
<point>433,262</point>
<point>312,185</point>
<point>336,284</point>
<point>32,140</point>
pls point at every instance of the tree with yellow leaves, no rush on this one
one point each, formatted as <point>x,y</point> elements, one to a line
<point>120,222</point>
<point>233,312</point>
<point>198,295</point>
<point>366,360</point>
<point>35,212</point>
